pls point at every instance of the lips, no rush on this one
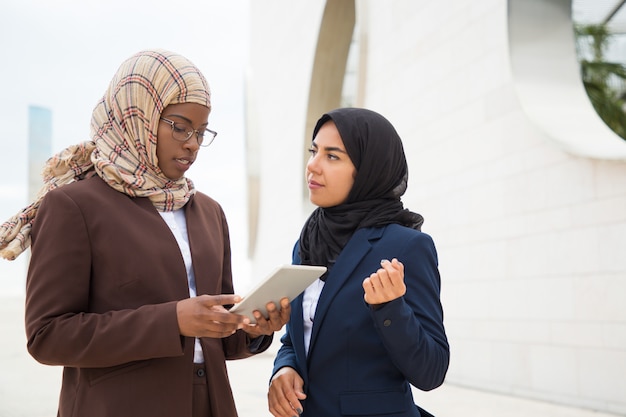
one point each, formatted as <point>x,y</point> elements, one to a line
<point>314,184</point>
<point>182,165</point>
<point>184,161</point>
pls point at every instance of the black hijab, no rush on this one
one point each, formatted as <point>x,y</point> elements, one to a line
<point>376,151</point>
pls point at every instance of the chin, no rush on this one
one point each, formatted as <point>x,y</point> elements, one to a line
<point>321,205</point>
<point>174,177</point>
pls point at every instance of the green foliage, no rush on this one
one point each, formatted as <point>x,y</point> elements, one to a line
<point>605,82</point>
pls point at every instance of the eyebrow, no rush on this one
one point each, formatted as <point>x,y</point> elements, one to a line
<point>185,119</point>
<point>330,148</point>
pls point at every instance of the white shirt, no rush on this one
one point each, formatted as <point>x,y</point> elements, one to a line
<point>178,225</point>
<point>309,306</point>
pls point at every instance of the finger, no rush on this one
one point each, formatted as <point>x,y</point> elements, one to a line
<point>368,289</point>
<point>387,266</point>
<point>397,264</point>
<point>392,266</point>
<point>216,335</point>
<point>278,403</point>
<point>282,409</point>
<point>272,311</point>
<point>275,316</point>
<point>215,322</point>
<point>294,396</point>
<point>207,313</point>
<point>293,403</point>
<point>394,270</point>
<point>298,387</point>
<point>262,324</point>
<point>285,310</point>
<point>228,318</point>
<point>258,316</point>
<point>220,299</point>
<point>216,330</point>
<point>379,279</point>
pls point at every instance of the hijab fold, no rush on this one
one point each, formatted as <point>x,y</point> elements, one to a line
<point>122,149</point>
<point>376,150</point>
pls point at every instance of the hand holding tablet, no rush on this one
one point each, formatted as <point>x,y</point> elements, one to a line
<point>285,281</point>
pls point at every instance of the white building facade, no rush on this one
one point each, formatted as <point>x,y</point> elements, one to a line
<point>531,235</point>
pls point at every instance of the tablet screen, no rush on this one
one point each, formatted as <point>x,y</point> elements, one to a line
<point>285,281</point>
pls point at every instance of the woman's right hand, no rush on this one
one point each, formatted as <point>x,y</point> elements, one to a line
<point>285,393</point>
<point>205,316</point>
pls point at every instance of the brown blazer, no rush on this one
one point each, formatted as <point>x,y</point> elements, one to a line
<point>104,278</point>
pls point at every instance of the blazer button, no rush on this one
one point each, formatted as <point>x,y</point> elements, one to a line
<point>200,372</point>
<point>387,323</point>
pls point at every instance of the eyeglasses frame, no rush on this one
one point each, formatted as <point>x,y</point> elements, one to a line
<point>190,134</point>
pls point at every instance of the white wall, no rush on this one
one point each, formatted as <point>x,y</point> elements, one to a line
<point>531,239</point>
<point>283,37</point>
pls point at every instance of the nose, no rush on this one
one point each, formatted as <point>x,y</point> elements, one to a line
<point>312,164</point>
<point>193,143</point>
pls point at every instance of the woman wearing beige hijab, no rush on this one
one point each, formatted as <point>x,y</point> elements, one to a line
<point>130,266</point>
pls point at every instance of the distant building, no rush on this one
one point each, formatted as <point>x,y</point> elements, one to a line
<point>39,146</point>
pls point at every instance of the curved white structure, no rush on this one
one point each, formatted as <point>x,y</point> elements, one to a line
<point>547,78</point>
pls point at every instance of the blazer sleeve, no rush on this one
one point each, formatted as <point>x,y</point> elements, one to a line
<point>286,356</point>
<point>411,327</point>
<point>60,328</point>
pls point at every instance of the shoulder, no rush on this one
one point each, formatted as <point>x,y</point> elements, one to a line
<point>398,236</point>
<point>201,206</point>
<point>202,201</point>
<point>90,191</point>
<point>417,234</point>
<point>397,231</point>
<point>201,198</point>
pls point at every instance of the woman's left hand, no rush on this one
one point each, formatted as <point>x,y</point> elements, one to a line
<point>386,284</point>
<point>276,320</point>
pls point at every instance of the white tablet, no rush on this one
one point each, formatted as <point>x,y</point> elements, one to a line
<point>285,281</point>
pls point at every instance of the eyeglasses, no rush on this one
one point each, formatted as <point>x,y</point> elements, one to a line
<point>182,132</point>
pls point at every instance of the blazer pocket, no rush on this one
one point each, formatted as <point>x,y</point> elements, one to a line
<point>374,403</point>
<point>97,375</point>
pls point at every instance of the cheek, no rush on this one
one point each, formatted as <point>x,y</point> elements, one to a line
<point>350,179</point>
<point>346,185</point>
<point>158,155</point>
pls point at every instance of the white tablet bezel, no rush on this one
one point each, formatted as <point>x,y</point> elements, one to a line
<point>285,281</point>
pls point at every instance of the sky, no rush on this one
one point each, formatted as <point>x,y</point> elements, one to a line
<point>61,55</point>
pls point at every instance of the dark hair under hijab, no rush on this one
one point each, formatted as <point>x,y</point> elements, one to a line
<point>375,149</point>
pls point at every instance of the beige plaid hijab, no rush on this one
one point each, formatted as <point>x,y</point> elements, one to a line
<point>122,150</point>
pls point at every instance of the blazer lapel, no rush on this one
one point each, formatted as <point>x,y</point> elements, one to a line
<point>357,247</point>
<point>207,250</point>
<point>201,264</point>
<point>296,329</point>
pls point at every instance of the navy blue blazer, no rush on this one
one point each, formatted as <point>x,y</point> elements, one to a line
<point>362,360</point>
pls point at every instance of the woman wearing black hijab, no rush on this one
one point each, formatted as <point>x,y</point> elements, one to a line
<point>372,326</point>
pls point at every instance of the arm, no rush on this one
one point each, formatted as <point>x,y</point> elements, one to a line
<point>60,326</point>
<point>286,355</point>
<point>101,292</point>
<point>411,325</point>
